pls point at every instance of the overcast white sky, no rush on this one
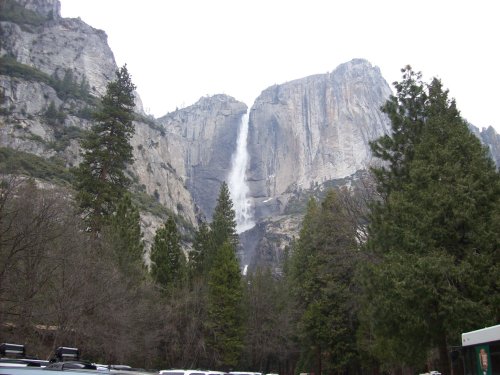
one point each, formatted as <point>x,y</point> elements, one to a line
<point>180,50</point>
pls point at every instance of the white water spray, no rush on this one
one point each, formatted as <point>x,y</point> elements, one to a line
<point>237,184</point>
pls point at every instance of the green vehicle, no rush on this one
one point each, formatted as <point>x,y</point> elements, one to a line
<point>481,351</point>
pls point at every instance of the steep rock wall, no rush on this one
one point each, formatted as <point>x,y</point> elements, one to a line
<point>41,51</point>
<point>490,139</point>
<point>62,44</point>
<point>201,139</point>
<point>315,129</point>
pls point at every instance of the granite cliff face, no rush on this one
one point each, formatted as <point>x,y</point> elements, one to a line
<point>65,64</point>
<point>314,129</point>
<point>47,8</point>
<point>490,139</point>
<point>53,45</point>
<point>202,139</point>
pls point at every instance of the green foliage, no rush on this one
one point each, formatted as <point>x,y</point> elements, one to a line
<point>126,237</point>
<point>55,117</point>
<point>209,239</point>
<point>11,67</point>
<point>100,179</point>
<point>321,271</point>
<point>65,135</point>
<point>223,225</point>
<point>225,314</point>
<point>12,11</point>
<point>268,316</point>
<point>168,263</point>
<point>197,262</point>
<point>148,203</point>
<point>66,88</point>
<point>85,112</point>
<point>213,262</point>
<point>69,87</point>
<point>151,122</point>
<point>23,163</point>
<point>434,234</point>
<point>51,112</point>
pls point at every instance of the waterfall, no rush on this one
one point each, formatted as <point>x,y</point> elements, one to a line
<point>237,184</point>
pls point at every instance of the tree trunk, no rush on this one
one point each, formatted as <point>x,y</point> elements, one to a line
<point>444,360</point>
<point>318,361</point>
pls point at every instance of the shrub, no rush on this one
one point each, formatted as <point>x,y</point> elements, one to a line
<point>23,163</point>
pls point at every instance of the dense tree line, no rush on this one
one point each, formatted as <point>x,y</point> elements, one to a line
<point>383,277</point>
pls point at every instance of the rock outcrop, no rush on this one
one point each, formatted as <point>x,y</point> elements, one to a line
<point>59,44</point>
<point>202,139</point>
<point>490,139</point>
<point>64,65</point>
<point>314,129</point>
<point>51,9</point>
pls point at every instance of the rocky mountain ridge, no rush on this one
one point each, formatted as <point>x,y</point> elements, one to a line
<point>303,134</point>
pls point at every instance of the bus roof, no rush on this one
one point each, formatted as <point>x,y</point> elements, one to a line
<point>481,336</point>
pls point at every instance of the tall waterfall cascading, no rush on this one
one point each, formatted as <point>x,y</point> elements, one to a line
<point>237,184</point>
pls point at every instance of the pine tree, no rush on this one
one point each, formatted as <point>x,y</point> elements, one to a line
<point>223,225</point>
<point>125,236</point>
<point>198,254</point>
<point>209,239</point>
<point>168,263</point>
<point>225,314</point>
<point>224,326</point>
<point>100,180</point>
<point>323,265</point>
<point>433,233</point>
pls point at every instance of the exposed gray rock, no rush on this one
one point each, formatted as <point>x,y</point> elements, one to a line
<point>315,129</point>
<point>60,45</point>
<point>155,172</point>
<point>48,8</point>
<point>265,243</point>
<point>201,139</point>
<point>491,139</point>
<point>51,47</point>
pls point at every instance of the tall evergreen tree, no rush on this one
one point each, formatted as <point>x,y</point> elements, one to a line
<point>198,254</point>
<point>225,314</point>
<point>125,236</point>
<point>209,239</point>
<point>322,268</point>
<point>224,328</point>
<point>433,233</point>
<point>268,341</point>
<point>223,225</point>
<point>168,263</point>
<point>100,180</point>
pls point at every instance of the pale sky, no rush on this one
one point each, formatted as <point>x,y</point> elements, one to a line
<point>180,50</point>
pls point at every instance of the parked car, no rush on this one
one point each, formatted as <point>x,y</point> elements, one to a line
<point>183,372</point>
<point>14,355</point>
<point>40,371</point>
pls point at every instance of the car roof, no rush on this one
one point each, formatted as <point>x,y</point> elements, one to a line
<point>12,370</point>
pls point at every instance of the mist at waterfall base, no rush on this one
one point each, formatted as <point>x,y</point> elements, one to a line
<point>237,184</point>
